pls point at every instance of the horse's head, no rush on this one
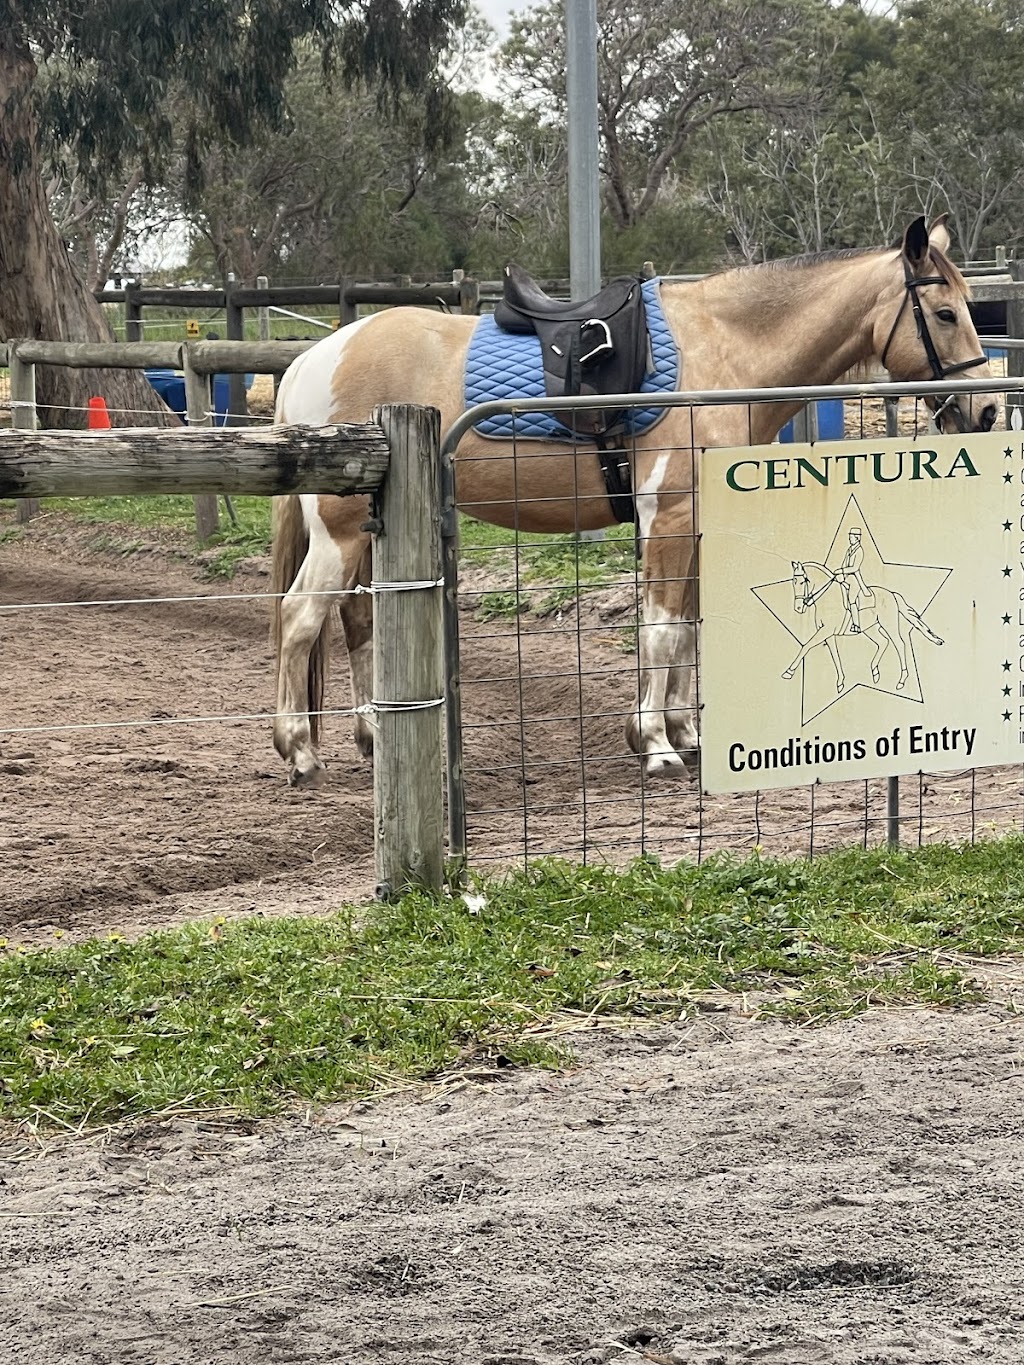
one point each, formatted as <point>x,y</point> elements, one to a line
<point>801,586</point>
<point>923,328</point>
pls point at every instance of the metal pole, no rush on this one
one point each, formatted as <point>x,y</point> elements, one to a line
<point>584,168</point>
<point>584,157</point>
<point>892,784</point>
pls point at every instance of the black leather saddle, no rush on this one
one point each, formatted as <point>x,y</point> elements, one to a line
<point>598,346</point>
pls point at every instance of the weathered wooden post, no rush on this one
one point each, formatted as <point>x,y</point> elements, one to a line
<point>23,417</point>
<point>132,311</point>
<point>469,295</point>
<point>348,309</point>
<point>263,311</point>
<point>234,327</point>
<point>408,670</point>
<point>199,411</point>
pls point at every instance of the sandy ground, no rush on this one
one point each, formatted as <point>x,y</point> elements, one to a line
<point>715,1192</point>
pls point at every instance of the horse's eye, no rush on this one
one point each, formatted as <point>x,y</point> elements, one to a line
<point>946,315</point>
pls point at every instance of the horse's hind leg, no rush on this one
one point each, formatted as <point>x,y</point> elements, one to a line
<point>302,652</point>
<point>357,620</point>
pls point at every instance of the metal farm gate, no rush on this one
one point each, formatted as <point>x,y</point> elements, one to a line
<point>550,671</point>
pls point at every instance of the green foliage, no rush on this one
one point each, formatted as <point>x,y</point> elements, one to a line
<point>121,75</point>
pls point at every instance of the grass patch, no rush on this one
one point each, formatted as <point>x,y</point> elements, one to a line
<point>255,1014</point>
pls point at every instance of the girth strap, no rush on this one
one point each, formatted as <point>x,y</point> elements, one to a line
<point>618,479</point>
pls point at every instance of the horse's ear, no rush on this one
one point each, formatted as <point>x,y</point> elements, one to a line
<point>938,233</point>
<point>916,244</point>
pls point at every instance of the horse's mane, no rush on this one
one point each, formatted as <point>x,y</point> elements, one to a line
<point>940,262</point>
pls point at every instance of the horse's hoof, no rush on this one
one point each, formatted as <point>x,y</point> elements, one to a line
<point>788,673</point>
<point>874,675</point>
<point>666,764</point>
<point>840,686</point>
<point>899,686</point>
<point>308,779</point>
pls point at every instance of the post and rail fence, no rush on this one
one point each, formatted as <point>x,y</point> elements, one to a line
<point>395,457</point>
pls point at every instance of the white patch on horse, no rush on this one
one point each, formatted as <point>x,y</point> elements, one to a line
<point>306,393</point>
<point>647,494</point>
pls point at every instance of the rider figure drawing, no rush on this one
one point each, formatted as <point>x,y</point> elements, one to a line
<point>856,592</point>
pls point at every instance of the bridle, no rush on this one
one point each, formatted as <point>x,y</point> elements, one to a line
<point>939,371</point>
<point>810,597</point>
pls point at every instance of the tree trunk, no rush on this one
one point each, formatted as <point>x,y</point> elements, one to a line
<point>41,296</point>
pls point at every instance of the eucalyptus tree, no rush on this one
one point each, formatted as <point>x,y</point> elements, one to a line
<point>99,83</point>
<point>952,103</point>
<point>666,69</point>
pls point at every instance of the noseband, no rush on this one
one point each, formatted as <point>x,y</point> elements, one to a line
<point>939,371</point>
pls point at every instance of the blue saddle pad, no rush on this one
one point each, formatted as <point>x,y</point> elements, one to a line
<point>508,365</point>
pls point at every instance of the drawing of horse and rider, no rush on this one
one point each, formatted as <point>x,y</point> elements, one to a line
<point>879,614</point>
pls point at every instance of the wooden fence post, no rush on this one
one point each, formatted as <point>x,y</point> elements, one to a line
<point>263,312</point>
<point>132,311</point>
<point>234,327</point>
<point>408,656</point>
<point>23,417</point>
<point>348,311</point>
<point>199,410</point>
<point>469,296</point>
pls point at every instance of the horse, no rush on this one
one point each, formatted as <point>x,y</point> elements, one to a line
<point>806,320</point>
<point>885,618</point>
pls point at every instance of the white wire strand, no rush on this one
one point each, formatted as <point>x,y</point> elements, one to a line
<point>370,708</point>
<point>358,591</point>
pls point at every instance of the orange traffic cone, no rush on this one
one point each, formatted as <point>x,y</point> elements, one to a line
<point>99,418</point>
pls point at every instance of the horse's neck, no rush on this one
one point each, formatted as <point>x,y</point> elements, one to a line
<point>779,326</point>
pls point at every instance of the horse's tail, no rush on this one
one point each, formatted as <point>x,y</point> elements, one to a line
<point>290,544</point>
<point>914,617</point>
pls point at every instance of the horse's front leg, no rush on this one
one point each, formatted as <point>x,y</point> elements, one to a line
<point>805,649</point>
<point>664,728</point>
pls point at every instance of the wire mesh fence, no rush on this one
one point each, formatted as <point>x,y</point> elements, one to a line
<point>553,673</point>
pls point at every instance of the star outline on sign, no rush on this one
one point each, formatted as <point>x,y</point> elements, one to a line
<point>872,657</point>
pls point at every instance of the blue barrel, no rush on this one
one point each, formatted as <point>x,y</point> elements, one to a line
<point>170,385</point>
<point>830,421</point>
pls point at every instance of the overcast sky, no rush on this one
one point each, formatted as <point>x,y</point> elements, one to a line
<point>496,12</point>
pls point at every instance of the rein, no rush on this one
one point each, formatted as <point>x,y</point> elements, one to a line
<point>939,371</point>
<point>809,598</point>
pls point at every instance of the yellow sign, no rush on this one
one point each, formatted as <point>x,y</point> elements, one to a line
<point>862,608</point>
<point>192,328</point>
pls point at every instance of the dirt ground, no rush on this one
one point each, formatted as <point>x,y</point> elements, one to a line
<point>719,1191</point>
<point>712,1193</point>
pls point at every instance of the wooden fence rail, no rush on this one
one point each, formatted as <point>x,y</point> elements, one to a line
<point>198,361</point>
<point>396,456</point>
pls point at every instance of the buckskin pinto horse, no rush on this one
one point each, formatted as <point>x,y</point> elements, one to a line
<point>806,320</point>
